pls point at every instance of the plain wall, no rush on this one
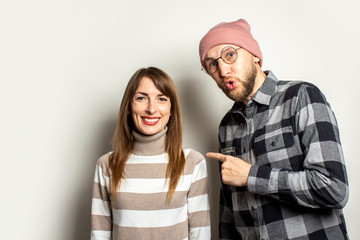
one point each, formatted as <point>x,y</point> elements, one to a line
<point>64,66</point>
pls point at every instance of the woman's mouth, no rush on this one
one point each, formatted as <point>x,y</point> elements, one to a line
<point>150,120</point>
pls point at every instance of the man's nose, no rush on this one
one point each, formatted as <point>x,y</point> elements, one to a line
<point>223,68</point>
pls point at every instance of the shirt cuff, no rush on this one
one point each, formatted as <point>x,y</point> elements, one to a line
<point>262,180</point>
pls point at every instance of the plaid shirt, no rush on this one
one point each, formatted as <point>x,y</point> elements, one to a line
<point>297,185</point>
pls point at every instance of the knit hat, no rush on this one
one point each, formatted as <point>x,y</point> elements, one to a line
<point>235,33</point>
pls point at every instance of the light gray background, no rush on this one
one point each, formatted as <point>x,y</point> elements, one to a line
<point>64,66</point>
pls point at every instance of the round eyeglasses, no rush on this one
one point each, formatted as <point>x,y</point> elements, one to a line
<point>228,55</point>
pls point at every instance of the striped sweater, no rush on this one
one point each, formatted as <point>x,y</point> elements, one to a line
<point>139,210</point>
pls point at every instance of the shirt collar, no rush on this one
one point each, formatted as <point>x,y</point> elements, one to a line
<point>267,90</point>
<point>264,94</point>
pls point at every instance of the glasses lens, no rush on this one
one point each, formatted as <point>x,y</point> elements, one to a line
<point>210,66</point>
<point>229,55</point>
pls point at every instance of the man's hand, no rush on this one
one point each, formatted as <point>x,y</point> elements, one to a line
<point>234,171</point>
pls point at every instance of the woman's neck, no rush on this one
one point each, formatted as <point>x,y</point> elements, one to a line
<point>148,145</point>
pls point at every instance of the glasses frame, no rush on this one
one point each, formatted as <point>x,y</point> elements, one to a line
<point>203,68</point>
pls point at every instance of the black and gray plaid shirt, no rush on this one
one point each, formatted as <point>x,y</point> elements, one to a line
<point>297,185</point>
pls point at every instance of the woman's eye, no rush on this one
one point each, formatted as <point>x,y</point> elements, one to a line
<point>163,99</point>
<point>139,98</point>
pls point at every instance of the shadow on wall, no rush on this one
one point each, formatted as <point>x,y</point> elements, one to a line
<point>100,146</point>
<point>203,127</point>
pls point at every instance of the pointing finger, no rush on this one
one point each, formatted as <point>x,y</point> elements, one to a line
<point>218,156</point>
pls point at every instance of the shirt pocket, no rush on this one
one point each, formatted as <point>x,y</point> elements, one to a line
<point>228,151</point>
<point>278,139</point>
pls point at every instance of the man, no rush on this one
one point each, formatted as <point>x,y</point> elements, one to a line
<point>282,167</point>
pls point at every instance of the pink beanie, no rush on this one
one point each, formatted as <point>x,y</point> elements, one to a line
<point>235,33</point>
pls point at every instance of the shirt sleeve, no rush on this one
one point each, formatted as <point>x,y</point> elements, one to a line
<point>227,227</point>
<point>198,201</point>
<point>323,182</point>
<point>101,217</point>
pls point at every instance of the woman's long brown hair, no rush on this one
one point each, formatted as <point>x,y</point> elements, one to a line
<point>123,140</point>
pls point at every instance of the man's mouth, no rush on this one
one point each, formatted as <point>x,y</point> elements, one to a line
<point>150,120</point>
<point>230,84</point>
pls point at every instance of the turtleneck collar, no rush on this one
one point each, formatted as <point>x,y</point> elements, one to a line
<point>148,145</point>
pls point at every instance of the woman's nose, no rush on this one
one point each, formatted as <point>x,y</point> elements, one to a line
<point>151,107</point>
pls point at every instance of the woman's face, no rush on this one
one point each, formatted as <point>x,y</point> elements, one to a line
<point>150,108</point>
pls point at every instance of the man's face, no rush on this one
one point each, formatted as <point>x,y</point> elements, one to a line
<point>237,79</point>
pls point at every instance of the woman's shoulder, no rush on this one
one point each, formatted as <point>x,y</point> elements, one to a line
<point>194,161</point>
<point>193,155</point>
<point>103,161</point>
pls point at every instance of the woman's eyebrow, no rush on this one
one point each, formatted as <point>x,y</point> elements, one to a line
<point>146,94</point>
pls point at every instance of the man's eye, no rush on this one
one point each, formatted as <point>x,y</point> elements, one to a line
<point>211,64</point>
<point>230,55</point>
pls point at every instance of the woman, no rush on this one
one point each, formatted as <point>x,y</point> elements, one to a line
<point>149,187</point>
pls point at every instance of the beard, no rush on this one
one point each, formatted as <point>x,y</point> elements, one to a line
<point>244,87</point>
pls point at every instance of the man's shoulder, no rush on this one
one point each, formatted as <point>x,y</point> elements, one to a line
<point>292,85</point>
<point>290,89</point>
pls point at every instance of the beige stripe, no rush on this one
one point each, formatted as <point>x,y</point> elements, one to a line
<point>103,163</point>
<point>154,201</point>
<point>102,223</point>
<point>145,170</point>
<point>178,231</point>
<point>199,219</point>
<point>159,170</point>
<point>151,170</point>
<point>192,159</point>
<point>199,187</point>
<point>100,192</point>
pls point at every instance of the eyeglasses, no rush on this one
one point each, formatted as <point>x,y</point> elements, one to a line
<point>228,55</point>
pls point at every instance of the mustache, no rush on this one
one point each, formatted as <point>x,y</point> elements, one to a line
<point>231,78</point>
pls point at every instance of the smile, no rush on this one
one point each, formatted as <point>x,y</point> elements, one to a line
<point>150,120</point>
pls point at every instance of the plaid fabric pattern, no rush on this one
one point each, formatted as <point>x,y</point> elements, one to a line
<point>298,184</point>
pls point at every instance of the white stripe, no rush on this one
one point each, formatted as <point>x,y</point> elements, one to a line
<point>198,203</point>
<point>200,171</point>
<point>135,159</point>
<point>97,235</point>
<point>100,177</point>
<point>100,207</point>
<point>96,177</point>
<point>155,218</point>
<point>200,233</point>
<point>153,185</point>
<point>186,152</point>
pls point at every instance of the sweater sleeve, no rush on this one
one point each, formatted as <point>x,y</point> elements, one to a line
<point>323,181</point>
<point>101,216</point>
<point>198,199</point>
